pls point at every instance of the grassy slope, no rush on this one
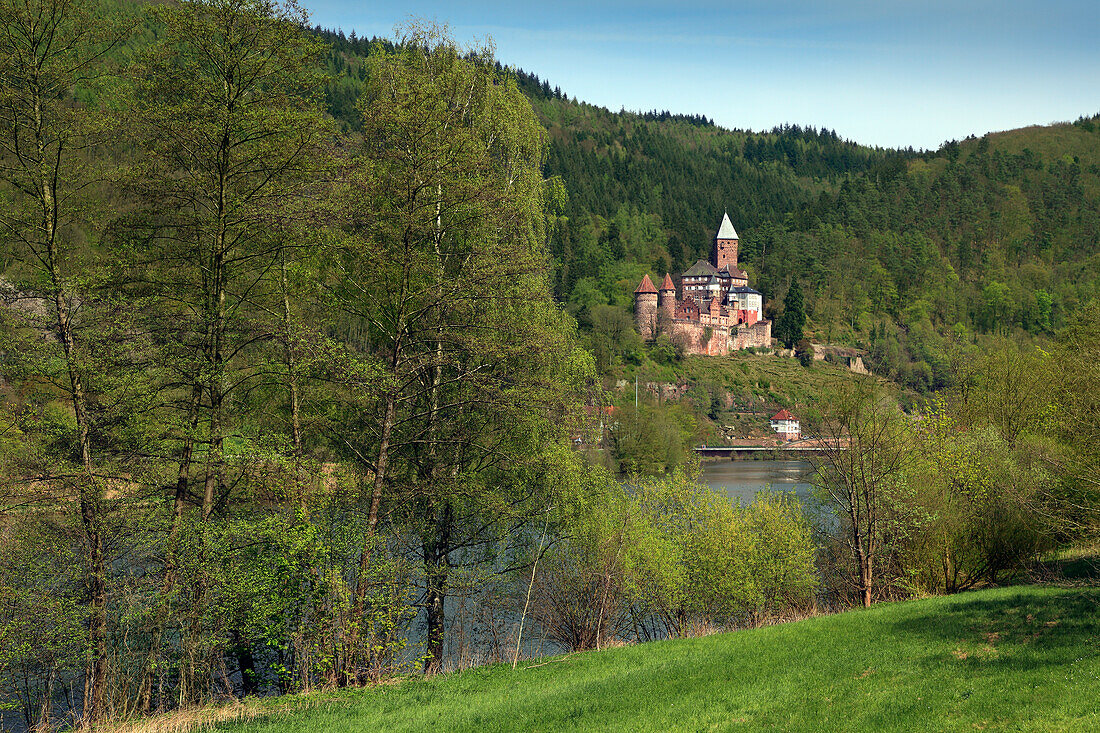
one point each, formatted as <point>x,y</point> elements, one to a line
<point>1017,658</point>
<point>769,381</point>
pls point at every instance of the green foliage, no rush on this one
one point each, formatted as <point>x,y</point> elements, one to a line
<point>804,350</point>
<point>42,614</point>
<point>1075,412</point>
<point>988,503</point>
<point>968,493</point>
<point>668,557</point>
<point>613,339</point>
<point>609,558</point>
<point>730,563</point>
<point>651,439</point>
<point>664,351</point>
<point>238,444</point>
<point>783,554</point>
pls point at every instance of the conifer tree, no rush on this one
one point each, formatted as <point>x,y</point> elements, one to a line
<point>793,319</point>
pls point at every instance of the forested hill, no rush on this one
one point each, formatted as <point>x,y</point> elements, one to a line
<point>678,168</point>
<point>899,252</point>
<point>684,169</point>
<point>993,235</point>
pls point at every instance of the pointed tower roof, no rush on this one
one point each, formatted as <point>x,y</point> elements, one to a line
<point>726,230</point>
<point>645,286</point>
<point>667,284</point>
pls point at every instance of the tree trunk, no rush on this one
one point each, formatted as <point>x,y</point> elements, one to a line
<point>246,663</point>
<point>362,585</point>
<point>168,584</point>
<point>437,570</point>
<point>43,724</point>
<point>290,362</point>
<point>90,508</point>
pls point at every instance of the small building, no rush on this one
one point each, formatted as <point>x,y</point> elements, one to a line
<point>786,425</point>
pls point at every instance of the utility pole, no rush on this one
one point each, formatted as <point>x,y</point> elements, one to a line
<point>635,390</point>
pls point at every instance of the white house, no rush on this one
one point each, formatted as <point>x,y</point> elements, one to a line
<point>746,299</point>
<point>786,425</point>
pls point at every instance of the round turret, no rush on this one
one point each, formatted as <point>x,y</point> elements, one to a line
<point>645,309</point>
<point>666,298</point>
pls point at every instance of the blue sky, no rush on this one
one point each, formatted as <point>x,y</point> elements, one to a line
<point>881,73</point>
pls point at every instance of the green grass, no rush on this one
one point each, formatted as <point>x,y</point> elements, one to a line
<point>1021,658</point>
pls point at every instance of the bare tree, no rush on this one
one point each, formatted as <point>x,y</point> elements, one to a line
<point>865,450</point>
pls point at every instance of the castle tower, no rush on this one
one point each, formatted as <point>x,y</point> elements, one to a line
<point>666,298</point>
<point>645,309</point>
<point>725,245</point>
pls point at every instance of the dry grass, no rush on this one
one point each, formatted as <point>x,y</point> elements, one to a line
<point>190,719</point>
<point>209,716</point>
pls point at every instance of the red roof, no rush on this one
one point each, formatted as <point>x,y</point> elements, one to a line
<point>646,286</point>
<point>783,415</point>
<point>667,284</point>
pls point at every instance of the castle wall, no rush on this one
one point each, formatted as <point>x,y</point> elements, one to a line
<point>712,337</point>
<point>758,336</point>
<point>693,337</point>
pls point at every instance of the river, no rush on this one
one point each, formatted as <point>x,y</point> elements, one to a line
<point>743,479</point>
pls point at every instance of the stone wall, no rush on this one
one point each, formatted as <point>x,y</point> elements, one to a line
<point>697,338</point>
<point>758,336</point>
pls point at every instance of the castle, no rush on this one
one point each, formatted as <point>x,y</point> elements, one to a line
<point>718,312</point>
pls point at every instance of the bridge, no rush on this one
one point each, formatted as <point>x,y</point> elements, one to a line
<point>749,448</point>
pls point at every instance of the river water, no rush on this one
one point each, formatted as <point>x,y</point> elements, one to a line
<point>741,480</point>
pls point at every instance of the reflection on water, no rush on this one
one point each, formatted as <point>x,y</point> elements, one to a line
<point>742,479</point>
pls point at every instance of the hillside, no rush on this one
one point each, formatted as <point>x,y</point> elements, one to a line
<point>910,260</point>
<point>907,255</point>
<point>1008,659</point>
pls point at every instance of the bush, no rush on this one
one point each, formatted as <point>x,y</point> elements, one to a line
<point>986,501</point>
<point>664,351</point>
<point>804,350</point>
<point>609,560</point>
<point>668,556</point>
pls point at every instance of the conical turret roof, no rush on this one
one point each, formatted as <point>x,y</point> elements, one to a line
<point>667,284</point>
<point>645,286</point>
<point>726,230</point>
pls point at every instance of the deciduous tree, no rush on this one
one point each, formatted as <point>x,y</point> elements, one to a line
<point>233,137</point>
<point>860,471</point>
<point>444,266</point>
<point>50,51</point>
